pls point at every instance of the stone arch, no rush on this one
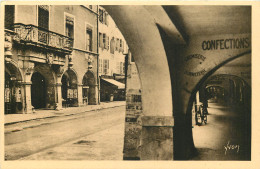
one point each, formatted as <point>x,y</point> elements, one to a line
<point>144,41</point>
<point>69,87</point>
<point>13,88</point>
<point>192,94</point>
<point>89,88</point>
<point>48,76</point>
<point>173,99</point>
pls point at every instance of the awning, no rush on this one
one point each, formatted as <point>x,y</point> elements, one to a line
<point>114,82</point>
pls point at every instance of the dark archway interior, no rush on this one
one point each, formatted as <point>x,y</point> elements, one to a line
<point>227,133</point>
<point>9,99</point>
<point>88,90</point>
<point>38,91</point>
<point>69,88</point>
<point>13,90</point>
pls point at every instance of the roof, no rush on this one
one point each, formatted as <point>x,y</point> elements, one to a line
<point>116,83</point>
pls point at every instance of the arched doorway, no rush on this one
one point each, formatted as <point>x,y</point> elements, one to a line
<point>13,89</point>
<point>38,90</point>
<point>89,88</point>
<point>69,88</point>
<point>43,78</point>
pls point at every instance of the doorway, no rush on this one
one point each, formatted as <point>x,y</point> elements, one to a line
<point>38,91</point>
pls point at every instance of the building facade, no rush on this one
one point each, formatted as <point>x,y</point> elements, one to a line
<point>51,54</point>
<point>112,50</point>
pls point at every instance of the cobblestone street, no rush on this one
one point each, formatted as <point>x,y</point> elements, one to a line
<point>97,134</point>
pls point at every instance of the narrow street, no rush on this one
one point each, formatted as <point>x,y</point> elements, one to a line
<point>95,135</point>
<point>226,135</point>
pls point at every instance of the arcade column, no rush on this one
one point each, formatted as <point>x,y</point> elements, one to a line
<point>58,86</point>
<point>80,98</point>
<point>29,68</point>
<point>157,138</point>
<point>28,103</point>
<point>96,94</point>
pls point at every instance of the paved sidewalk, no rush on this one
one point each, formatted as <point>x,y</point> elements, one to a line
<point>42,114</point>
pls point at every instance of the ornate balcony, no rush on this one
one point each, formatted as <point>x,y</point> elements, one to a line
<point>33,35</point>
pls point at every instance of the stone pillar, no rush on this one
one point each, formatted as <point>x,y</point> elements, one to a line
<point>197,100</point>
<point>28,102</point>
<point>59,73</point>
<point>96,94</point>
<point>157,138</point>
<point>80,99</point>
<point>59,95</point>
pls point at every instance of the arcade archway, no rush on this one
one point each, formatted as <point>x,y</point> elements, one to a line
<point>89,88</point>
<point>228,101</point>
<point>43,89</point>
<point>69,88</point>
<point>13,89</point>
<point>174,58</point>
<point>38,91</point>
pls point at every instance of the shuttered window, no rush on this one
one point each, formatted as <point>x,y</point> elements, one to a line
<point>123,46</point>
<point>100,39</point>
<point>104,40</point>
<point>43,16</point>
<point>112,45</point>
<point>100,66</point>
<point>118,67</point>
<point>101,15</point>
<point>117,44</point>
<point>9,17</point>
<point>89,40</point>
<point>106,66</point>
<point>107,42</point>
<point>121,67</point>
<point>69,26</point>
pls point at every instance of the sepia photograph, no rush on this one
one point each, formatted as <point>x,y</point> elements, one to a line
<point>116,82</point>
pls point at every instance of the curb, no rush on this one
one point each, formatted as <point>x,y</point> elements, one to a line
<point>61,115</point>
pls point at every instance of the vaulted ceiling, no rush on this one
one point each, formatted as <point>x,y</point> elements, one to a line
<point>210,20</point>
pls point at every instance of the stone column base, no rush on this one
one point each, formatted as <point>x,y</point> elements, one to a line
<point>157,138</point>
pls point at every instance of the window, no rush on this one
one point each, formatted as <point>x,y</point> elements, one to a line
<point>112,45</point>
<point>101,15</point>
<point>120,45</point>
<point>90,6</point>
<point>104,41</point>
<point>100,39</point>
<point>132,58</point>
<point>100,64</point>
<point>121,67</point>
<point>118,67</point>
<point>106,66</point>
<point>70,26</point>
<point>89,39</point>
<point>107,40</point>
<point>9,17</point>
<point>117,44</point>
<point>43,16</point>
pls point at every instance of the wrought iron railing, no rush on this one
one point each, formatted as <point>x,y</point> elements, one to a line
<point>37,35</point>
